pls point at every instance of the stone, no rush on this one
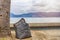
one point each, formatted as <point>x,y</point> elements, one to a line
<point>4,18</point>
<point>22,29</point>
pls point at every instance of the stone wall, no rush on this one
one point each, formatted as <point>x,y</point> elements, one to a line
<point>4,17</point>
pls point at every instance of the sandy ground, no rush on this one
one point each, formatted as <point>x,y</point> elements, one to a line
<point>46,34</point>
<point>38,34</point>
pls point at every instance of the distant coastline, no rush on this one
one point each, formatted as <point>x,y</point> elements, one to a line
<point>37,14</point>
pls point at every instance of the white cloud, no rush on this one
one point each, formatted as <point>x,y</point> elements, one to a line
<point>22,6</point>
<point>47,5</point>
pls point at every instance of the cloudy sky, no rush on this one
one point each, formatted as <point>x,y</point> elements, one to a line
<point>20,6</point>
<point>23,6</point>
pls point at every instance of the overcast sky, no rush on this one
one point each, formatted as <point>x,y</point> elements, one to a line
<point>24,6</point>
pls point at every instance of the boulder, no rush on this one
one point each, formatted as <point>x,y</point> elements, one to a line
<point>22,29</point>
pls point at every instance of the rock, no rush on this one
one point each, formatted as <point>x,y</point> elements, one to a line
<point>22,29</point>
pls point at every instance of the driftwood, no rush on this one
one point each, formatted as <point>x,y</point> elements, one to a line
<point>22,29</point>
